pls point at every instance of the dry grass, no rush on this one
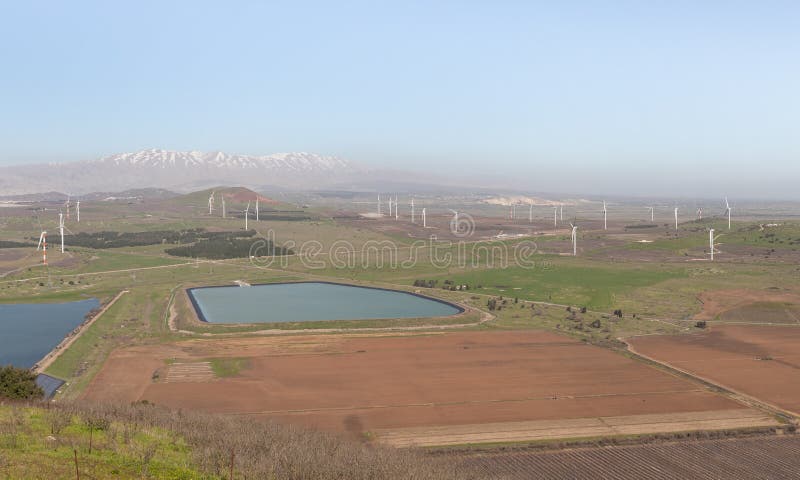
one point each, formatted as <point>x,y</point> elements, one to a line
<point>263,450</point>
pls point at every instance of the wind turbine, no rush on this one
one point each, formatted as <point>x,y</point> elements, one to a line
<point>390,206</point>
<point>651,213</point>
<point>412,211</point>
<point>424,222</point>
<point>700,213</point>
<point>67,205</point>
<point>676,219</point>
<point>61,229</point>
<point>223,205</point>
<point>574,240</point>
<point>246,214</point>
<point>256,208</point>
<point>78,210</point>
<point>396,214</point>
<point>530,213</point>
<point>211,203</point>
<point>43,246</point>
<point>728,211</point>
<point>712,243</point>
<point>561,212</point>
<point>605,216</point>
<point>455,215</point>
<point>555,216</point>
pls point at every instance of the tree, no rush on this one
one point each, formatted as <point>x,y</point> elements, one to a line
<point>18,384</point>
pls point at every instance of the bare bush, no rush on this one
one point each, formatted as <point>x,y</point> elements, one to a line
<point>13,426</point>
<point>267,449</point>
<point>58,420</point>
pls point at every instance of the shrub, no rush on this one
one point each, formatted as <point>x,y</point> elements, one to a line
<point>18,384</point>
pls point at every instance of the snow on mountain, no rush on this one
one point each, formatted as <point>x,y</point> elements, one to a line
<point>287,162</point>
<point>181,171</point>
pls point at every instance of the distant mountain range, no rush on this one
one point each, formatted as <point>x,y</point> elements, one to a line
<point>185,171</point>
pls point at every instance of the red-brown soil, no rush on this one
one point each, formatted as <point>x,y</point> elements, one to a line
<point>760,361</point>
<point>718,302</point>
<point>362,383</point>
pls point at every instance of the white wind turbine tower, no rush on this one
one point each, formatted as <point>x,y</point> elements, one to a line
<point>246,214</point>
<point>530,213</point>
<point>728,211</point>
<point>605,216</point>
<point>700,213</point>
<point>413,218</point>
<point>651,213</point>
<point>390,206</point>
<point>455,215</point>
<point>574,240</point>
<point>555,216</point>
<point>43,246</point>
<point>78,210</point>
<point>424,221</point>
<point>396,214</point>
<point>68,205</point>
<point>61,229</point>
<point>561,212</point>
<point>712,243</point>
<point>257,207</point>
<point>223,205</point>
<point>211,203</point>
<point>676,219</point>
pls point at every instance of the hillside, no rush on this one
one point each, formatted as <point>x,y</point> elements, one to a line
<point>145,441</point>
<point>236,200</point>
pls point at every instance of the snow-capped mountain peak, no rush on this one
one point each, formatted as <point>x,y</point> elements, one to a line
<point>181,171</point>
<point>285,162</point>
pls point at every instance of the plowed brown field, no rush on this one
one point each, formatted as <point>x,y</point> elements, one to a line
<point>760,361</point>
<point>380,383</point>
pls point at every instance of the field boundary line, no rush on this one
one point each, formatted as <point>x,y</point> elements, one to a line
<point>56,352</point>
<point>734,394</point>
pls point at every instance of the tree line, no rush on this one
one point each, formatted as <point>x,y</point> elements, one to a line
<point>111,239</point>
<point>228,247</point>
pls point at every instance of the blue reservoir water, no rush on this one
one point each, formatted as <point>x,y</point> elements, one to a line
<point>311,301</point>
<point>29,331</point>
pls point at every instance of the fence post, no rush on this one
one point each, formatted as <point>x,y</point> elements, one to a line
<point>77,472</point>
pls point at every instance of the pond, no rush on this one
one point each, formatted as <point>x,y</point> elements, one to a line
<point>311,301</point>
<point>28,331</point>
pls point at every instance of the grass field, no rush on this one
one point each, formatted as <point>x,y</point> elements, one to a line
<point>37,444</point>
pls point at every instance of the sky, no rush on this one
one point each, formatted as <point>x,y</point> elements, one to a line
<point>628,97</point>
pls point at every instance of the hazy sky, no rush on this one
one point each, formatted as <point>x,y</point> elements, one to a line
<point>640,96</point>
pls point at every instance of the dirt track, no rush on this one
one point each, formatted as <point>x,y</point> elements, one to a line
<point>574,428</point>
<point>360,383</point>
